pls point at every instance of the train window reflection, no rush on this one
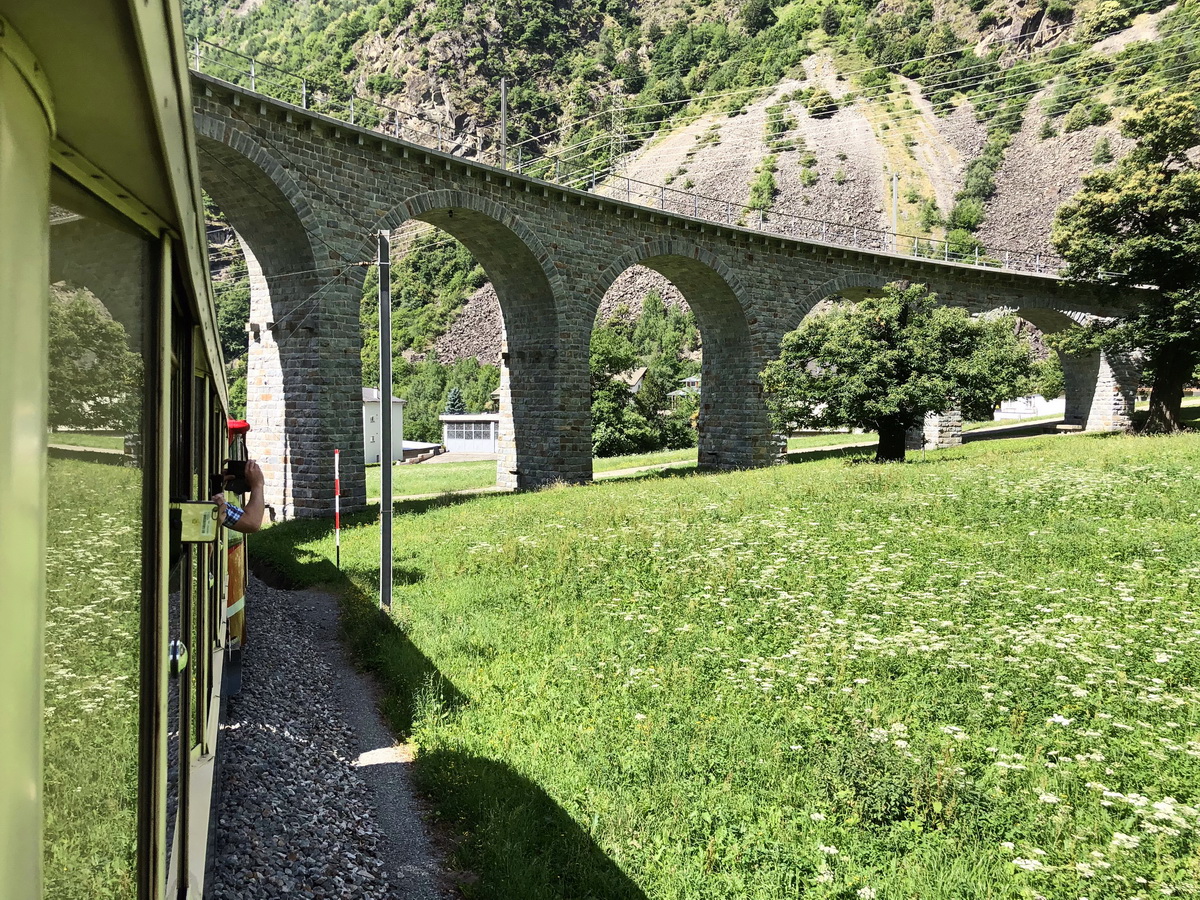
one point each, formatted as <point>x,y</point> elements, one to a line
<point>98,305</point>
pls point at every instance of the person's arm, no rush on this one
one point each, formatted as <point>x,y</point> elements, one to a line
<point>247,520</point>
<point>252,519</point>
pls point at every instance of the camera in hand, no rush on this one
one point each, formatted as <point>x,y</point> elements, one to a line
<point>234,474</point>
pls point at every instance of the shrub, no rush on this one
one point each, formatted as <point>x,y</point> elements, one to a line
<point>967,214</point>
<point>1059,10</point>
<point>821,104</point>
<point>808,177</point>
<point>763,189</point>
<point>1077,119</point>
<point>930,215</point>
<point>1102,153</point>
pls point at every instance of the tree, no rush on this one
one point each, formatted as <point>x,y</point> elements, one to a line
<point>885,362</point>
<point>454,402</point>
<point>1138,224</point>
<point>757,15</point>
<point>95,379</point>
<point>831,19</point>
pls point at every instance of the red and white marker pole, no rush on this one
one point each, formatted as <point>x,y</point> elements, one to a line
<point>337,510</point>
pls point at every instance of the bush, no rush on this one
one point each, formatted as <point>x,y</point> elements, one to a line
<point>809,177</point>
<point>967,214</point>
<point>930,215</point>
<point>763,189</point>
<point>1077,119</point>
<point>757,15</point>
<point>821,104</point>
<point>1059,11</point>
<point>1107,17</point>
<point>1102,153</point>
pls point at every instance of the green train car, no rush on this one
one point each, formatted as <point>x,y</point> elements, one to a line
<point>113,572</point>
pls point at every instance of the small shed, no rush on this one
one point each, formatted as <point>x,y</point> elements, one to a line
<point>372,414</point>
<point>471,432</point>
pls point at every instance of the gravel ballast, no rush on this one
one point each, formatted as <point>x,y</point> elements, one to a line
<point>314,797</point>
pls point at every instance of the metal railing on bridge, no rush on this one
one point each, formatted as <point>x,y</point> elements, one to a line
<point>340,102</point>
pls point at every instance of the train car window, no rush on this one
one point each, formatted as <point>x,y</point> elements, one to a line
<point>180,568</point>
<point>201,653</point>
<point>100,303</point>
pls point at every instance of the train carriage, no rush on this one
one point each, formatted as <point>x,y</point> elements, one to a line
<point>113,417</point>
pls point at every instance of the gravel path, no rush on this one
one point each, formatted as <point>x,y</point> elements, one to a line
<point>315,797</point>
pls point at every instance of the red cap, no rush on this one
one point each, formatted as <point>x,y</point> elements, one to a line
<point>238,426</point>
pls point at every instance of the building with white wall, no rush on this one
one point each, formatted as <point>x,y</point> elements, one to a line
<point>372,415</point>
<point>471,432</point>
<point>1033,406</point>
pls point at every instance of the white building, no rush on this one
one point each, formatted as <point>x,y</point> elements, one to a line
<point>1033,406</point>
<point>372,435</point>
<point>471,432</point>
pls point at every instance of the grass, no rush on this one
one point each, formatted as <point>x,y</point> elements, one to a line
<point>434,478</point>
<point>87,439</point>
<point>437,478</point>
<point>971,677</point>
<point>93,595</point>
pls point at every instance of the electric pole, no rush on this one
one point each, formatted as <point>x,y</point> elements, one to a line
<point>385,422</point>
<point>504,123</point>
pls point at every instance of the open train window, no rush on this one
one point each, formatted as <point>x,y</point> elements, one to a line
<point>101,303</point>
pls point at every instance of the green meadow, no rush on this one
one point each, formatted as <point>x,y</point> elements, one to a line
<point>436,478</point>
<point>93,592</point>
<point>973,676</point>
<point>87,439</point>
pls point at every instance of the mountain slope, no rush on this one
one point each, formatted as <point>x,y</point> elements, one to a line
<point>987,113</point>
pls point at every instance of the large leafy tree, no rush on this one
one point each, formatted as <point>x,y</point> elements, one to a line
<point>1139,224</point>
<point>885,362</point>
<point>95,379</point>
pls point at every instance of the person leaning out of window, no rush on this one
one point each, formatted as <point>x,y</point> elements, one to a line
<point>248,520</point>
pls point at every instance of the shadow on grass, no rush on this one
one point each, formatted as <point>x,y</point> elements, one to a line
<point>519,841</point>
<point>799,456</point>
<point>378,643</point>
<point>417,506</point>
<point>409,680</point>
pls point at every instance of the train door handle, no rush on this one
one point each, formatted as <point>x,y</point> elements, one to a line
<point>177,657</point>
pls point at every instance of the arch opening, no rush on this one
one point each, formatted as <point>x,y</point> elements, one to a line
<point>732,429</point>
<point>899,398</point>
<point>511,322</point>
<point>266,267</point>
<point>645,375</point>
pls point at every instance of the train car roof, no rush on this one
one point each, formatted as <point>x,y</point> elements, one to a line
<point>117,77</point>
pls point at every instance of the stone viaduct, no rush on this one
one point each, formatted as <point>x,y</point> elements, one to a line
<point>306,194</point>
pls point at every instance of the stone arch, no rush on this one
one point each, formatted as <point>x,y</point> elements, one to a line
<point>280,239</point>
<point>734,431</point>
<point>539,387</point>
<point>253,188</point>
<point>853,285</point>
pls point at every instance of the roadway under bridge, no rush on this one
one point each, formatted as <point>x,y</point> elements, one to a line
<point>307,194</point>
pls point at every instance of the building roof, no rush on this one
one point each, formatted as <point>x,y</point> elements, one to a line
<point>632,377</point>
<point>371,395</point>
